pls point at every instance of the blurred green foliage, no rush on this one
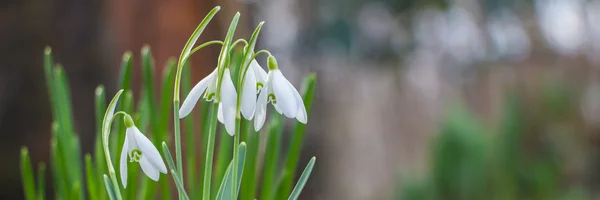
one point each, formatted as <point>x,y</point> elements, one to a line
<point>526,155</point>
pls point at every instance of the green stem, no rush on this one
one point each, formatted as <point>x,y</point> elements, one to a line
<point>238,41</point>
<point>178,143</point>
<point>210,151</point>
<point>236,141</point>
<point>204,45</point>
<point>259,52</point>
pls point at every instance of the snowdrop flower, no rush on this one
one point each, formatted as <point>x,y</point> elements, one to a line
<point>139,149</point>
<point>228,98</point>
<point>282,94</point>
<point>254,81</point>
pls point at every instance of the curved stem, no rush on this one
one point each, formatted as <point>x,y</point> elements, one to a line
<point>238,41</point>
<point>259,52</point>
<point>204,45</point>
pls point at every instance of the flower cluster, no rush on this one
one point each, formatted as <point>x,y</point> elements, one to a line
<point>259,88</point>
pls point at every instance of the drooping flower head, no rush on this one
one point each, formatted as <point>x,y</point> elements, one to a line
<point>138,148</point>
<point>227,99</point>
<point>283,96</point>
<point>254,80</point>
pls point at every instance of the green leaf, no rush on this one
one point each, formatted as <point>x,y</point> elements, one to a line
<point>171,164</point>
<point>109,188</point>
<point>27,175</point>
<point>271,156</point>
<point>224,55</point>
<point>185,53</point>
<point>126,71</point>
<point>58,169</point>
<point>224,155</point>
<point>168,77</point>
<point>252,138</point>
<point>293,154</point>
<point>100,107</point>
<point>148,80</point>
<point>41,182</point>
<point>249,52</point>
<point>225,188</point>
<point>91,178</point>
<point>303,178</point>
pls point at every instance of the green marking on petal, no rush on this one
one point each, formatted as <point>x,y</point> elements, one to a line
<point>272,98</point>
<point>135,155</point>
<point>210,96</point>
<point>259,85</point>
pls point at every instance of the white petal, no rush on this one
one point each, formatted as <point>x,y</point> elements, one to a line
<point>261,75</point>
<point>148,149</point>
<point>192,98</point>
<point>301,113</point>
<point>283,94</point>
<point>249,95</point>
<point>229,99</point>
<point>148,168</point>
<point>261,110</point>
<point>270,92</point>
<point>123,162</point>
<point>220,113</point>
<point>277,108</point>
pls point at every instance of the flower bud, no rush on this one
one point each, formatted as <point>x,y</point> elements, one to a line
<point>272,63</point>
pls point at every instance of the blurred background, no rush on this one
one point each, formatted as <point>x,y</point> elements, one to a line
<point>416,99</point>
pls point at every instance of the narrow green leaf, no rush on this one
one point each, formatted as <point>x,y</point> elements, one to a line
<point>49,74</point>
<point>126,71</point>
<point>247,57</point>
<point>189,45</point>
<point>41,182</point>
<point>168,77</point>
<point>67,140</point>
<point>91,178</point>
<point>224,154</point>
<point>148,81</point>
<point>27,175</point>
<point>76,192</point>
<point>224,191</point>
<point>303,178</point>
<point>179,185</point>
<point>59,171</point>
<point>291,163</point>
<point>252,138</point>
<point>100,160</point>
<point>109,188</point>
<point>171,164</point>
<point>148,107</point>
<point>224,55</point>
<point>271,156</point>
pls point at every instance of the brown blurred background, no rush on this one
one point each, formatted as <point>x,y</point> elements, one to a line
<point>387,70</point>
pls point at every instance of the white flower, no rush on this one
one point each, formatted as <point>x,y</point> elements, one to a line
<point>284,97</point>
<point>227,104</point>
<point>139,149</point>
<point>254,81</point>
